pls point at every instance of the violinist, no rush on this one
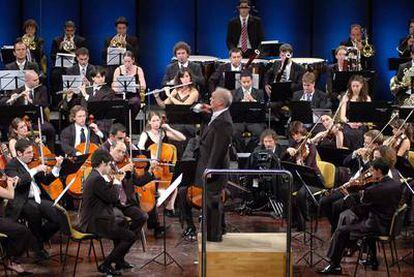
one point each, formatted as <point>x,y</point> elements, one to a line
<point>128,204</point>
<point>97,214</point>
<point>78,132</point>
<point>31,201</point>
<point>18,236</point>
<point>117,133</point>
<point>373,217</point>
<point>401,138</point>
<point>331,136</point>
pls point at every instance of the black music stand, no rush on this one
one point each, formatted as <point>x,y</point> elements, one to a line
<point>404,167</point>
<point>248,112</point>
<point>270,48</point>
<point>230,79</point>
<point>333,155</point>
<point>394,63</point>
<point>340,80</point>
<point>301,111</point>
<point>8,113</point>
<point>182,114</point>
<point>377,111</point>
<point>109,109</point>
<point>126,84</point>
<point>281,92</point>
<point>303,176</point>
<point>7,55</point>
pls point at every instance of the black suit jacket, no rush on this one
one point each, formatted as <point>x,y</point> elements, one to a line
<point>78,40</point>
<point>257,94</point>
<point>194,68</point>
<point>254,30</point>
<point>99,198</point>
<point>21,192</point>
<point>105,93</point>
<point>131,45</point>
<point>130,182</point>
<point>296,72</point>
<point>320,99</point>
<point>217,78</point>
<point>67,139</point>
<point>38,53</point>
<point>404,42</point>
<point>75,70</point>
<point>40,97</point>
<point>27,66</point>
<point>214,149</point>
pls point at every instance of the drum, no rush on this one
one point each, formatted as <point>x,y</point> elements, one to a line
<point>206,62</point>
<point>316,65</point>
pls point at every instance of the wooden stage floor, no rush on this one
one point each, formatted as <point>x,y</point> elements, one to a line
<point>186,254</point>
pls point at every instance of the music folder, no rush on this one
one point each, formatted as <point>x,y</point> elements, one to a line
<point>8,113</point>
<point>376,111</point>
<point>248,112</point>
<point>182,114</point>
<point>231,79</point>
<point>270,48</point>
<point>7,55</point>
<point>109,109</point>
<point>281,92</point>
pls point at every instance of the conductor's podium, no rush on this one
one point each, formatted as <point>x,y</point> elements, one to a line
<point>246,254</point>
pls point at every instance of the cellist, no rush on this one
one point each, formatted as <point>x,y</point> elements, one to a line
<point>78,131</point>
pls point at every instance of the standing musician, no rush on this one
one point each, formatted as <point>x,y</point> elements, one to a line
<point>31,201</point>
<point>339,66</point>
<point>318,99</point>
<point>245,31</point>
<point>34,43</point>
<point>407,43</point>
<point>121,39</point>
<point>82,67</point>
<point>18,236</point>
<point>78,131</point>
<point>97,216</point>
<point>235,64</point>
<point>372,217</point>
<point>284,70</point>
<point>21,62</point>
<point>247,93</point>
<point>182,52</point>
<point>402,135</point>
<point>331,135</point>
<point>215,142</point>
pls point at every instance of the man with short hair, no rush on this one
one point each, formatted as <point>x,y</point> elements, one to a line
<point>317,98</point>
<point>21,62</point>
<point>82,67</point>
<point>235,64</point>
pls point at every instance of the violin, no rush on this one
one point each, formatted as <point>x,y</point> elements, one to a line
<point>358,183</point>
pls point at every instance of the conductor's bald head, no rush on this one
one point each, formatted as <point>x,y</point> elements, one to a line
<point>220,99</point>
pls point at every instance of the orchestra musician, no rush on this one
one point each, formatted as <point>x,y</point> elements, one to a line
<point>402,136</point>
<point>318,99</point>
<point>121,39</point>
<point>118,133</point>
<point>21,62</point>
<point>97,216</point>
<point>245,31</point>
<point>404,90</point>
<point>247,93</point>
<point>31,201</point>
<point>18,236</point>
<point>78,132</point>
<point>372,217</point>
<point>339,66</point>
<point>407,43</point>
<point>35,44</point>
<point>215,141</point>
<point>331,135</point>
<point>82,67</point>
<point>17,130</point>
<point>182,52</point>
<point>356,39</point>
<point>235,64</point>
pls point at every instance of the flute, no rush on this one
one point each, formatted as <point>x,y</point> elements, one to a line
<point>162,89</point>
<point>13,99</point>
<point>77,90</point>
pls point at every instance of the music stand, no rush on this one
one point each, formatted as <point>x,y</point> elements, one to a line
<point>281,92</point>
<point>8,113</point>
<point>7,55</point>
<point>270,48</point>
<point>125,85</point>
<point>11,79</point>
<point>231,79</point>
<point>248,112</point>
<point>394,63</point>
<point>333,155</point>
<point>377,111</point>
<point>114,55</point>
<point>160,198</point>
<point>182,114</point>
<point>301,111</point>
<point>340,80</point>
<point>65,60</point>
<point>72,82</point>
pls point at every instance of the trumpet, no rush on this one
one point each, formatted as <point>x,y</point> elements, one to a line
<point>29,42</point>
<point>118,41</point>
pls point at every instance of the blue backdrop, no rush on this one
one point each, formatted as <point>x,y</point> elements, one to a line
<point>313,27</point>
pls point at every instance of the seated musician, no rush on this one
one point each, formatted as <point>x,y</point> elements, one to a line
<point>247,93</point>
<point>97,215</point>
<point>152,135</point>
<point>117,133</point>
<point>78,132</point>
<point>318,99</point>
<point>82,67</point>
<point>186,95</point>
<point>402,135</point>
<point>339,66</point>
<point>121,39</point>
<point>284,70</point>
<point>403,90</point>
<point>18,129</point>
<point>407,43</point>
<point>35,94</point>
<point>235,64</point>
<point>18,236</point>
<point>331,135</point>
<point>98,90</point>
<point>373,217</point>
<point>357,92</point>
<point>358,162</point>
<point>128,204</point>
<point>130,68</point>
<point>31,201</point>
<point>21,62</point>
<point>302,153</point>
<point>356,40</point>
<point>182,52</point>
<point>34,43</point>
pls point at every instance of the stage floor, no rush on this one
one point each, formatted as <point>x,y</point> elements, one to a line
<point>186,253</point>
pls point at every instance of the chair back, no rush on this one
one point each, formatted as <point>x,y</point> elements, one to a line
<point>64,219</point>
<point>397,221</point>
<point>411,157</point>
<point>328,173</point>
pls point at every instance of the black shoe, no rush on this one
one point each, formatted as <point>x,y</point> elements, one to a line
<point>108,270</point>
<point>123,265</point>
<point>189,232</point>
<point>370,262</point>
<point>170,213</point>
<point>331,269</point>
<point>159,231</point>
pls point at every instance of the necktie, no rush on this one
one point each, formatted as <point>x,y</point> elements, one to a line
<point>31,93</point>
<point>244,36</point>
<point>308,97</point>
<point>83,72</point>
<point>122,195</point>
<point>95,90</point>
<point>82,135</point>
